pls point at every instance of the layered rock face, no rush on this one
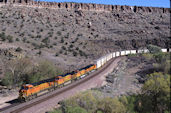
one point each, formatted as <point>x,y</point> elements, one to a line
<point>88,7</point>
<point>16,1</point>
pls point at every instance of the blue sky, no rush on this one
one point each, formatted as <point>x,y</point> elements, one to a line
<point>153,3</point>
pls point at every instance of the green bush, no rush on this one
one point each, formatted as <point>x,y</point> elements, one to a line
<point>148,56</point>
<point>111,105</point>
<point>46,40</point>
<point>18,49</point>
<point>75,110</point>
<point>39,53</point>
<point>156,94</point>
<point>17,39</point>
<point>63,48</point>
<point>10,39</point>
<point>71,46</point>
<point>59,33</point>
<point>2,36</point>
<point>153,49</point>
<point>62,40</point>
<point>7,79</point>
<point>56,54</point>
<point>75,53</point>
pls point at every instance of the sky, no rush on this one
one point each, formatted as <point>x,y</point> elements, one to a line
<point>153,3</point>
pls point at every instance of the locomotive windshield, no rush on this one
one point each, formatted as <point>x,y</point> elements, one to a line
<point>24,87</point>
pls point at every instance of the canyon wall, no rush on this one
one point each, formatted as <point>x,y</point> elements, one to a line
<point>88,7</point>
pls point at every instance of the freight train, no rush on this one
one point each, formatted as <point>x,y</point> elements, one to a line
<point>30,91</point>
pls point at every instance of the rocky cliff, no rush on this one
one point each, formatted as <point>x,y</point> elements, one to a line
<point>88,7</point>
<point>72,34</point>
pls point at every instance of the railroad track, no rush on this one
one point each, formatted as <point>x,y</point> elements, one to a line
<point>18,107</point>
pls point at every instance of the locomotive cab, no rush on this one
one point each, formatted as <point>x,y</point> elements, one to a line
<point>23,92</point>
<point>59,80</point>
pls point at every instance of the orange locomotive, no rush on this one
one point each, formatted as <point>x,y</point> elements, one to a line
<point>30,91</point>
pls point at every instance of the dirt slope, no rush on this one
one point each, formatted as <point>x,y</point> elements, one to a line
<point>72,38</point>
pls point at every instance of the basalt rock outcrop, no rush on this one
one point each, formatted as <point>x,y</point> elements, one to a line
<point>88,7</point>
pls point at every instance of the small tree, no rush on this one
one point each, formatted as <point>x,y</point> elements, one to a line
<point>156,94</point>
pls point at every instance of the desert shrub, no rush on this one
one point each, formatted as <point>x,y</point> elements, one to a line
<point>71,46</point>
<point>162,62</point>
<point>56,38</point>
<point>60,51</point>
<point>42,45</point>
<point>161,57</point>
<point>92,102</point>
<point>22,34</point>
<point>67,35</point>
<point>39,53</point>
<point>75,53</point>
<point>56,54</point>
<point>10,39</point>
<point>79,34</point>
<point>157,27</point>
<point>24,40</point>
<point>41,30</point>
<point>77,48</point>
<point>27,41</point>
<point>77,109</point>
<point>155,96</point>
<point>62,40</point>
<point>111,105</point>
<point>18,49</point>
<point>7,79</point>
<point>56,111</point>
<point>82,53</point>
<point>35,45</point>
<point>63,47</point>
<point>153,49</point>
<point>87,100</point>
<point>76,39</point>
<point>46,40</point>
<point>17,39</point>
<point>51,46</point>
<point>84,47</point>
<point>130,102</point>
<point>50,34</point>
<point>2,36</point>
<point>65,53</point>
<point>148,56</point>
<point>38,36</point>
<point>55,43</point>
<point>59,33</point>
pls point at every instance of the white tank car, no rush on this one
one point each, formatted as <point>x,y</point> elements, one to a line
<point>133,51</point>
<point>122,53</point>
<point>164,50</point>
<point>117,53</point>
